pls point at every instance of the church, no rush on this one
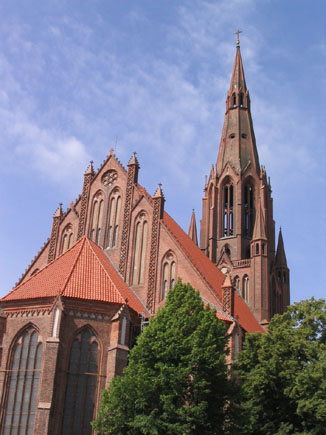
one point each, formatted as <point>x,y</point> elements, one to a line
<point>68,325</point>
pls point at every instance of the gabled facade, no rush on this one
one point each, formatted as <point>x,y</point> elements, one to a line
<point>108,265</point>
<point>237,229</point>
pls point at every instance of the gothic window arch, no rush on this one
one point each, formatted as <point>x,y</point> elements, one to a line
<point>81,384</point>
<point>246,288</point>
<point>248,202</point>
<point>114,218</point>
<point>139,252</point>
<point>241,99</point>
<point>168,273</point>
<point>66,239</point>
<point>97,216</point>
<point>236,283</point>
<point>234,100</point>
<point>228,212</point>
<point>22,383</point>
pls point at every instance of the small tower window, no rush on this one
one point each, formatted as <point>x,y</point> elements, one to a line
<point>248,210</point>
<point>228,210</point>
<point>236,283</point>
<point>241,100</point>
<point>263,249</point>
<point>234,100</point>
<point>257,249</point>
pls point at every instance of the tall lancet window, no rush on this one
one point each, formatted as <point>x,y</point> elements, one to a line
<point>139,250</point>
<point>114,216</point>
<point>97,217</point>
<point>246,288</point>
<point>67,236</point>
<point>81,385</point>
<point>22,384</point>
<point>228,217</point>
<point>248,209</point>
<point>168,273</point>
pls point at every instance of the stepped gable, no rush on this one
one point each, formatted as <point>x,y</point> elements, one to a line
<point>82,272</point>
<point>213,276</point>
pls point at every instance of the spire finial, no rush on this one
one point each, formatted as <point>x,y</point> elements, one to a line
<point>238,38</point>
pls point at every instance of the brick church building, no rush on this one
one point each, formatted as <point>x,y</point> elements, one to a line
<point>67,327</point>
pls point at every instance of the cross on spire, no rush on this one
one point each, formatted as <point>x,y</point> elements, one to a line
<point>238,38</point>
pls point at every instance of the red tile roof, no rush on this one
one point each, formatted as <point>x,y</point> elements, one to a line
<point>83,272</point>
<point>212,275</point>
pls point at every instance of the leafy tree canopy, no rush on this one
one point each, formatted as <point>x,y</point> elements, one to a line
<point>176,380</point>
<point>283,373</point>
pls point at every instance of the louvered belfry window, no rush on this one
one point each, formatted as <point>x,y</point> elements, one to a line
<point>22,384</point>
<point>81,385</point>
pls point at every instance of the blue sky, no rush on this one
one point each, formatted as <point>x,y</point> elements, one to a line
<point>76,75</point>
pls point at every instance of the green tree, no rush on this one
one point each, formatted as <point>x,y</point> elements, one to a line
<point>283,373</point>
<point>176,381</point>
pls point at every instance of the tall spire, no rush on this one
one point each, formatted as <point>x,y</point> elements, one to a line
<point>280,259</point>
<point>238,143</point>
<point>192,232</point>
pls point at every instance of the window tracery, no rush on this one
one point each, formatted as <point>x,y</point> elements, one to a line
<point>22,383</point>
<point>140,244</point>
<point>67,238</point>
<point>114,217</point>
<point>97,217</point>
<point>81,384</point>
<point>168,274</point>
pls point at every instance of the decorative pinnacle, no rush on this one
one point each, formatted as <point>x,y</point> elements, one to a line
<point>238,39</point>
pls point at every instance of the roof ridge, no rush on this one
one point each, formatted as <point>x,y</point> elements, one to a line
<point>82,242</point>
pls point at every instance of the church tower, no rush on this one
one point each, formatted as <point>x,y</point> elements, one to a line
<point>237,229</point>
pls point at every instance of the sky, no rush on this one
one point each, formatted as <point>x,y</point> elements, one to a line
<point>151,76</point>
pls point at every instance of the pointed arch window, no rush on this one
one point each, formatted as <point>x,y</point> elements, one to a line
<point>236,283</point>
<point>140,245</point>
<point>248,209</point>
<point>234,100</point>
<point>114,217</point>
<point>22,384</point>
<point>168,274</point>
<point>228,217</point>
<point>67,238</point>
<point>97,217</point>
<point>81,385</point>
<point>246,288</point>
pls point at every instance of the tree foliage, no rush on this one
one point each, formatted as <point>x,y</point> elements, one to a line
<point>283,373</point>
<point>176,380</point>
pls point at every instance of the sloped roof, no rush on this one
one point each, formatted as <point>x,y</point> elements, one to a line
<point>82,272</point>
<point>213,276</point>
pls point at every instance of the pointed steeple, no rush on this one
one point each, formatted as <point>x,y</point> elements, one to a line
<point>259,232</point>
<point>238,143</point>
<point>192,232</point>
<point>280,259</point>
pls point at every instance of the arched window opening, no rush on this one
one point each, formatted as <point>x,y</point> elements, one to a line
<point>114,217</point>
<point>168,274</point>
<point>67,237</point>
<point>245,288</point>
<point>22,384</point>
<point>234,100</point>
<point>81,385</point>
<point>241,100</point>
<point>139,250</point>
<point>228,210</point>
<point>236,283</point>
<point>227,250</point>
<point>97,219</point>
<point>263,248</point>
<point>257,249</point>
<point>247,255</point>
<point>248,210</point>
<point>284,277</point>
<point>279,275</point>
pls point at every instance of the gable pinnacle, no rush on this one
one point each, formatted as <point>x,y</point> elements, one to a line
<point>133,160</point>
<point>159,192</point>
